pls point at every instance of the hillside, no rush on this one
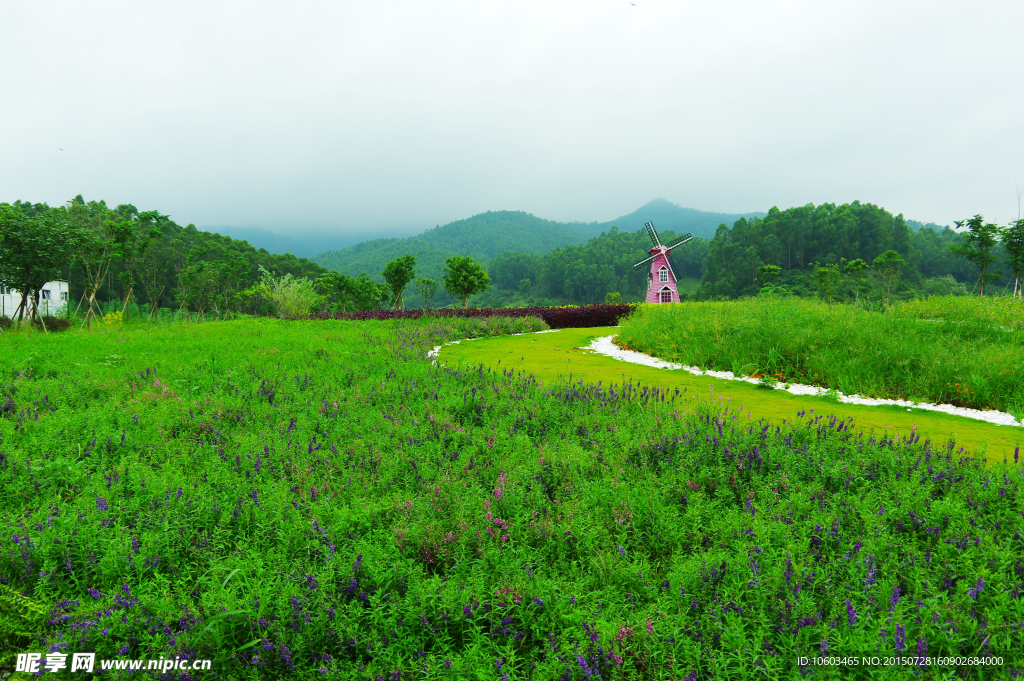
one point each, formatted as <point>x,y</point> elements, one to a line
<point>487,235</point>
<point>483,236</point>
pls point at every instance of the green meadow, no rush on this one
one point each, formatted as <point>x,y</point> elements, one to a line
<point>318,499</point>
<point>968,352</point>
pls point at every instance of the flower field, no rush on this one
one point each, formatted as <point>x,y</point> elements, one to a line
<point>968,352</point>
<point>316,499</point>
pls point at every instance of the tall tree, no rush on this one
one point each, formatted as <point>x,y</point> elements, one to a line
<point>888,266</point>
<point>398,273</point>
<point>853,269</point>
<point>1013,242</point>
<point>34,250</point>
<point>428,289</point>
<point>464,277</point>
<point>977,245</point>
<point>140,234</point>
<point>102,233</point>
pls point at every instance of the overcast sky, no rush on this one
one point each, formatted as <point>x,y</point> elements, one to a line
<point>360,116</point>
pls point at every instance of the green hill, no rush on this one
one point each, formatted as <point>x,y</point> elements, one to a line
<point>490,234</point>
<point>482,236</point>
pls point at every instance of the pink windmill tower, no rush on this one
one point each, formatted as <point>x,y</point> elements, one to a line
<point>661,279</point>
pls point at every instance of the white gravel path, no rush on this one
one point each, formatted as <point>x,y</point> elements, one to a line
<point>604,346</point>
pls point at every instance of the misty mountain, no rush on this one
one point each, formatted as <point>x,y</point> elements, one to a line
<point>668,216</point>
<point>299,244</point>
<point>487,235</point>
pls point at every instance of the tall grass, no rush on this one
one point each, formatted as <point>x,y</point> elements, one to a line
<point>317,500</point>
<point>962,351</point>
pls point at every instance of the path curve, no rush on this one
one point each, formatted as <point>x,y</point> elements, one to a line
<point>605,346</point>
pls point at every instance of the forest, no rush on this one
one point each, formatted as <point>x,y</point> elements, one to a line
<point>802,242</point>
<point>137,262</point>
<point>152,260</point>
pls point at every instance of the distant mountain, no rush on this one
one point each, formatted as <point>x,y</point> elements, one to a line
<point>669,216</point>
<point>487,235</point>
<point>299,244</point>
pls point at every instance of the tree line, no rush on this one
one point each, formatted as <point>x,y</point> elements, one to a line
<point>122,258</point>
<point>127,262</point>
<point>804,248</point>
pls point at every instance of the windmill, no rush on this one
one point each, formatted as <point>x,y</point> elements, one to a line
<point>661,279</point>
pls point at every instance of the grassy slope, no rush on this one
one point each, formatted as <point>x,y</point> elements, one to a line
<point>360,512</point>
<point>962,351</point>
<point>483,236</point>
<point>549,356</point>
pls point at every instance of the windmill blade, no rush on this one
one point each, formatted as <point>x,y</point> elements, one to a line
<point>671,268</point>
<point>644,262</point>
<point>680,241</point>
<point>651,233</point>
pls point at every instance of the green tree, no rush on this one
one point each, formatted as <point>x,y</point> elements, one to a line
<point>368,294</point>
<point>828,277</point>
<point>768,273</point>
<point>977,245</point>
<point>428,289</point>
<point>139,236</point>
<point>464,277</point>
<point>853,269</point>
<point>888,266</point>
<point>612,298</point>
<point>1013,242</point>
<point>398,273</point>
<point>33,251</point>
<point>102,232</point>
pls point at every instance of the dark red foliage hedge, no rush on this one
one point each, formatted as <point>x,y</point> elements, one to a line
<point>556,317</point>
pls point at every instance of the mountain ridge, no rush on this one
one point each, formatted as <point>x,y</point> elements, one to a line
<point>487,235</point>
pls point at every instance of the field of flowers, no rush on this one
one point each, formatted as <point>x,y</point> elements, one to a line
<point>968,352</point>
<point>318,500</point>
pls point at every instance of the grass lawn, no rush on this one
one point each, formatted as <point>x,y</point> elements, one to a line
<point>317,499</point>
<point>552,355</point>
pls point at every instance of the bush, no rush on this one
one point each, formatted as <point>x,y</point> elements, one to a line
<point>292,297</point>
<point>570,317</point>
<point>56,323</point>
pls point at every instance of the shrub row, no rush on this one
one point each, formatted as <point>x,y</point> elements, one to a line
<point>584,316</point>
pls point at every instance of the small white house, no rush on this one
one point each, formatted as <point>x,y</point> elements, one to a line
<point>53,298</point>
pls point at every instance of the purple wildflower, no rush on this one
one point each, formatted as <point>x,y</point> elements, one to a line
<point>101,503</point>
<point>977,589</point>
<point>901,638</point>
<point>851,613</point>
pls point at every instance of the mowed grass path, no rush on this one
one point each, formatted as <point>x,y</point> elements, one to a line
<point>550,355</point>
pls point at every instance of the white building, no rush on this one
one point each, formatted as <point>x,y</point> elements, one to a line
<point>53,298</point>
